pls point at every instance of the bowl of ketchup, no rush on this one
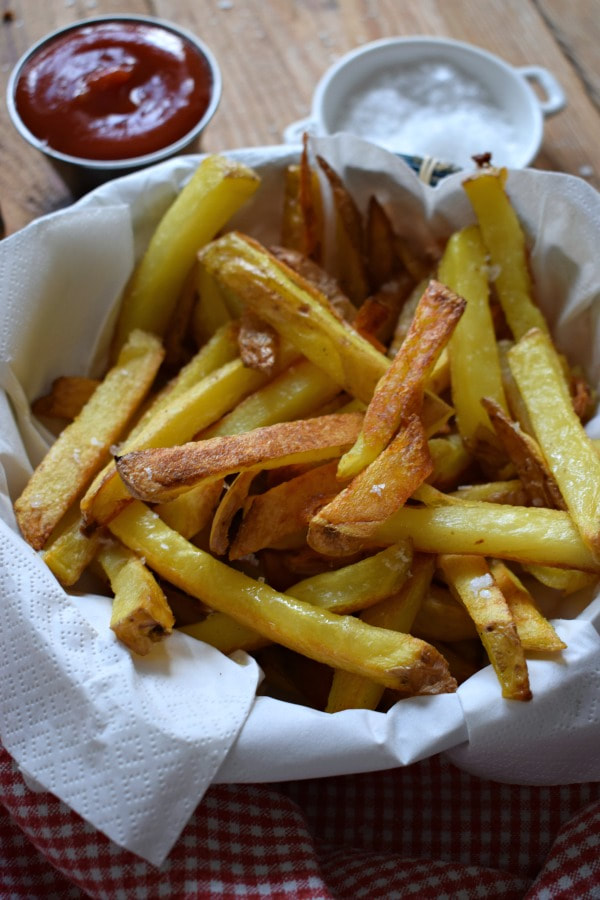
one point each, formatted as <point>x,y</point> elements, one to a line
<point>110,95</point>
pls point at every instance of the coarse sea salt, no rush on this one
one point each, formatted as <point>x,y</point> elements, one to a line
<point>429,109</point>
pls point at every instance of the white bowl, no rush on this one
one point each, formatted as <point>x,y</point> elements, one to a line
<point>434,97</point>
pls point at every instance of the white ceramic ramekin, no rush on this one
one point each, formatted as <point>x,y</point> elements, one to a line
<point>488,105</point>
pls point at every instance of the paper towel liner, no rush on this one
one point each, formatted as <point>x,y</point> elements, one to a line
<point>133,743</point>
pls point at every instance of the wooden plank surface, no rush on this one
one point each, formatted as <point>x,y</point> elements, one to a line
<point>273,52</point>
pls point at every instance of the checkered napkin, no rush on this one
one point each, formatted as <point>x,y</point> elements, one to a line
<point>427,831</point>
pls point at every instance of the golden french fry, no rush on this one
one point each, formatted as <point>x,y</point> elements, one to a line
<point>442,618</point>
<point>210,312</point>
<point>190,518</point>
<point>546,537</point>
<point>68,395</point>
<point>284,509</point>
<point>297,392</point>
<point>216,190</point>
<point>505,242</point>
<point>311,207</point>
<point>473,351</point>
<point>469,577</point>
<point>82,447</point>
<point>534,630</point>
<point>383,260</point>
<point>297,310</point>
<point>69,550</point>
<point>537,480</point>
<point>509,492</point>
<point>568,581</point>
<point>396,660</point>
<point>352,274</point>
<point>175,421</point>
<point>377,316</point>
<point>231,503</point>
<point>326,285</point>
<point>451,460</point>
<point>397,612</point>
<point>177,339</point>
<point>399,394</point>
<point>141,615</point>
<point>344,590</point>
<point>374,494</point>
<point>292,220</point>
<point>163,473</point>
<point>566,447</point>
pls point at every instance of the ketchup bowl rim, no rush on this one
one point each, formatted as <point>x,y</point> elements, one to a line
<point>122,164</point>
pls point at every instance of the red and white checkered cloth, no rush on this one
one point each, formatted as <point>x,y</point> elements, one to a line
<point>425,831</point>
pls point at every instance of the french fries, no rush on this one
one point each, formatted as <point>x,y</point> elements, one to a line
<point>82,448</point>
<point>354,465</point>
<point>217,189</point>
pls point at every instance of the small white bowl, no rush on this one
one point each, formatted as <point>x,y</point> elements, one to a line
<point>434,97</point>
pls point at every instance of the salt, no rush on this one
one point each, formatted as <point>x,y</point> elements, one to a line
<point>430,109</point>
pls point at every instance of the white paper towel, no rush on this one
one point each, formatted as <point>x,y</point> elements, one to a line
<point>77,712</point>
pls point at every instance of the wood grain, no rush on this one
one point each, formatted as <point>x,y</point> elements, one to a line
<point>273,52</point>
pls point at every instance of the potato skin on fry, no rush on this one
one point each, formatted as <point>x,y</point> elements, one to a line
<point>160,473</point>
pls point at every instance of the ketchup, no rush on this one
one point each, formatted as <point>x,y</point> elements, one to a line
<point>114,90</point>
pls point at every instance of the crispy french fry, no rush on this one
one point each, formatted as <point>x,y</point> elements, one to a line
<point>474,359</point>
<point>68,557</point>
<point>537,480</point>
<point>216,190</point>
<point>177,339</point>
<point>69,550</point>
<point>399,394</point>
<point>374,494</point>
<point>190,518</point>
<point>297,310</point>
<point>470,579</point>
<point>559,432</point>
<point>546,537</point>
<point>311,207</point>
<point>284,509</point>
<point>377,316</point>
<point>510,492</point>
<point>397,612</point>
<point>210,312</point>
<point>231,503</point>
<point>344,590</point>
<point>68,395</point>
<point>568,581</point>
<point>396,660</point>
<point>505,242</point>
<point>327,286</point>
<point>450,461</point>
<point>352,267</point>
<point>442,618</point>
<point>176,421</point>
<point>163,473</point>
<point>297,392</point>
<point>534,630</point>
<point>82,447</point>
<point>381,243</point>
<point>141,615</point>
<point>292,220</point>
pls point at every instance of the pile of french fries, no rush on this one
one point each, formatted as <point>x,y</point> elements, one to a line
<point>354,472</point>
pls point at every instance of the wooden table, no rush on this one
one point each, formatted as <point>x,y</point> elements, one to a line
<point>273,52</point>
